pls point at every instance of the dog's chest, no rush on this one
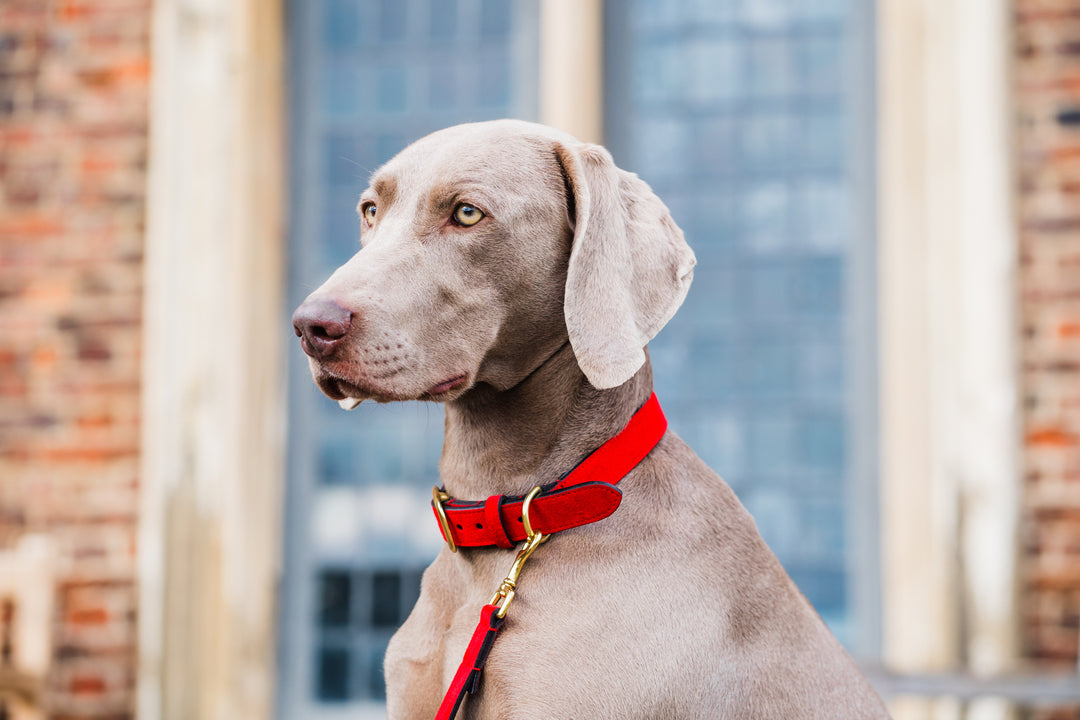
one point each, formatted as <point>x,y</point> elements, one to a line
<point>572,628</point>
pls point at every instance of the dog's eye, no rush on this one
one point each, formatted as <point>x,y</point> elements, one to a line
<point>467,215</point>
<point>368,213</point>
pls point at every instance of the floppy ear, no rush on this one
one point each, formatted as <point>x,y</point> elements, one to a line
<point>629,270</point>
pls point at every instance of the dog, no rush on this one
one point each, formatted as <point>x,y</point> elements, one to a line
<point>516,275</point>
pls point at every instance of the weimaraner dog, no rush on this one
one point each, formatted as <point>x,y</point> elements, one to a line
<point>516,275</point>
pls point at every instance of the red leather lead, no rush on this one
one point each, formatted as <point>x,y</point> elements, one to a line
<point>586,494</point>
<point>467,677</point>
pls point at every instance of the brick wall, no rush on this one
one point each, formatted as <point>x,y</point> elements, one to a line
<point>73,139</point>
<point>1048,98</point>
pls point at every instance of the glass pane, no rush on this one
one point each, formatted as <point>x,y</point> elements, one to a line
<point>386,599</point>
<point>768,13</point>
<point>373,683</point>
<point>341,24</point>
<point>767,140</point>
<point>332,684</point>
<point>393,21</point>
<point>819,64</point>
<point>715,70</point>
<point>768,71</point>
<point>393,88</point>
<point>442,20</point>
<point>492,78</point>
<point>495,16</point>
<point>335,599</point>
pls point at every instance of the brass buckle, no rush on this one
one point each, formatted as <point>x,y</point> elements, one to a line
<point>438,497</point>
<point>525,513</point>
<point>505,594</point>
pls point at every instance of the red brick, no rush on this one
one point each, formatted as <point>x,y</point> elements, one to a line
<point>88,616</point>
<point>73,148</point>
<point>87,684</point>
<point>29,225</point>
<point>1053,437</point>
<point>1070,329</point>
<point>1047,89</point>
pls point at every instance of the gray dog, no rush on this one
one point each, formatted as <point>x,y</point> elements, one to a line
<point>516,275</point>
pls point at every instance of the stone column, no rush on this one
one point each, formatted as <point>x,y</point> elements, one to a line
<point>948,345</point>
<point>213,380</point>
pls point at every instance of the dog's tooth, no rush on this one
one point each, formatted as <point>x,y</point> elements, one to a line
<point>349,403</point>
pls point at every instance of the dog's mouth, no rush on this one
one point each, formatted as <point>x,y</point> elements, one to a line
<point>338,389</point>
<point>447,386</point>
<point>349,394</point>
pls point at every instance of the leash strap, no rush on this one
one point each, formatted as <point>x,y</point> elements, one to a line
<point>584,495</point>
<point>467,677</point>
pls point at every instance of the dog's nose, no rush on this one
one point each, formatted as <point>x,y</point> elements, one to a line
<point>320,324</point>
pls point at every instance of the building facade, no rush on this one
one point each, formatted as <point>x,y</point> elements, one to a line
<point>879,351</point>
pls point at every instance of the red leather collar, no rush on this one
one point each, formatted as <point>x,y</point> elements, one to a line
<point>582,496</point>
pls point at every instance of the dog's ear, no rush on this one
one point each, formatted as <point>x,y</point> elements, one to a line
<point>629,269</point>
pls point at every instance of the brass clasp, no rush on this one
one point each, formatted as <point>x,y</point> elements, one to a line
<point>505,594</point>
<point>438,497</point>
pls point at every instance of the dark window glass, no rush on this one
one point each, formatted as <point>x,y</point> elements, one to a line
<point>335,598</point>
<point>332,684</point>
<point>386,599</point>
<point>374,681</point>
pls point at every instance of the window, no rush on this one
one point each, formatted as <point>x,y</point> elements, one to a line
<point>368,77</point>
<point>744,117</point>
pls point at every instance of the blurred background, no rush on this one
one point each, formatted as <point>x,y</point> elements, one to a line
<point>880,351</point>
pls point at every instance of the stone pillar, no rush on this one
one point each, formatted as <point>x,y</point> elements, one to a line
<point>948,342</point>
<point>571,67</point>
<point>213,379</point>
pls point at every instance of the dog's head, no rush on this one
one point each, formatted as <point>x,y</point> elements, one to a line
<point>485,248</point>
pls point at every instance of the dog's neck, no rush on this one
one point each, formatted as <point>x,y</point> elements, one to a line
<point>506,442</point>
